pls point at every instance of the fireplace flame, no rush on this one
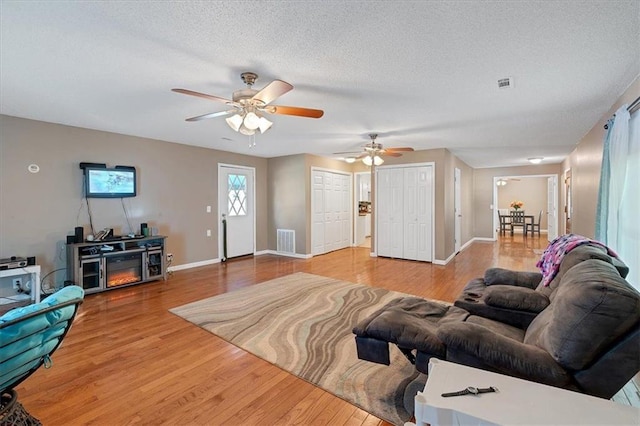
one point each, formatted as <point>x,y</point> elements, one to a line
<point>122,278</point>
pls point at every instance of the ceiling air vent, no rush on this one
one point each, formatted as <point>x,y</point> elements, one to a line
<point>505,83</point>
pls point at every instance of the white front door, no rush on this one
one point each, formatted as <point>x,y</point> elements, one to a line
<point>552,208</point>
<point>237,204</point>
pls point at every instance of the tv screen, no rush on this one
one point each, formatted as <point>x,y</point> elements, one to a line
<point>119,182</point>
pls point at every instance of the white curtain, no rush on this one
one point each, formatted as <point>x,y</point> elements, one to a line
<point>628,238</point>
<point>618,223</point>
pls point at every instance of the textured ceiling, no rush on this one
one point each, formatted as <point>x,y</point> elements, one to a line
<point>421,74</point>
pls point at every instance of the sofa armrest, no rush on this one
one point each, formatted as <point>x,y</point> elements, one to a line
<point>518,298</point>
<point>503,354</point>
<point>500,276</point>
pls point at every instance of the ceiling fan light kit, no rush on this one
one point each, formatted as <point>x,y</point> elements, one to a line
<point>373,152</point>
<point>249,104</point>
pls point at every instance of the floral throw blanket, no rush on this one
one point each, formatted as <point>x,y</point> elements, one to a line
<point>549,263</point>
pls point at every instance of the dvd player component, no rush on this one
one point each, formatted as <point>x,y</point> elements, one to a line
<point>13,262</point>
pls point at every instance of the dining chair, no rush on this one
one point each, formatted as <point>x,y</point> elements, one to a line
<point>534,226</point>
<point>517,219</point>
<point>505,220</point>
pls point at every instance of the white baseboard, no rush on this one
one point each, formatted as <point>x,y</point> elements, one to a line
<point>192,265</point>
<point>279,253</point>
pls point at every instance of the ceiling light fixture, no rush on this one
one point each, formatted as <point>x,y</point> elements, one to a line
<point>248,122</point>
<point>373,159</point>
<point>501,182</point>
<point>535,160</point>
<point>350,160</point>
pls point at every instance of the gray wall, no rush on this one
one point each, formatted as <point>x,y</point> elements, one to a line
<point>175,184</point>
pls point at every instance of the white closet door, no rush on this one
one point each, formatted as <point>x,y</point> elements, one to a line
<point>390,213</point>
<point>411,236</point>
<point>383,212</point>
<point>329,214</point>
<point>345,211</point>
<point>331,206</point>
<point>404,212</point>
<point>317,220</point>
<point>424,213</point>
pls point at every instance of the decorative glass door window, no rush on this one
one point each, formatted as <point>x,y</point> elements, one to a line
<point>237,195</point>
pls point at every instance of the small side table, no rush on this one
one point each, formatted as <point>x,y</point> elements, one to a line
<point>34,275</point>
<point>517,401</point>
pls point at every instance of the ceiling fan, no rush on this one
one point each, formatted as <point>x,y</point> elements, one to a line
<point>248,105</point>
<point>373,152</point>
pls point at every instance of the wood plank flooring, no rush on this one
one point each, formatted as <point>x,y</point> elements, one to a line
<point>127,360</point>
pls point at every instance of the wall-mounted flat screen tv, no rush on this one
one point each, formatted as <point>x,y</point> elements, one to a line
<point>117,182</point>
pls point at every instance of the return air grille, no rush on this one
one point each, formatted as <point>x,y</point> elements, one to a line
<point>286,241</point>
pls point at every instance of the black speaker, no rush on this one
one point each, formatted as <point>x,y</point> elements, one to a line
<point>144,229</point>
<point>79,234</point>
<point>31,260</point>
<point>71,239</point>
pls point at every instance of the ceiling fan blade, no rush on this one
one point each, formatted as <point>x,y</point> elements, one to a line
<point>348,152</point>
<point>391,154</point>
<point>273,91</point>
<point>299,111</point>
<point>211,115</point>
<point>202,95</point>
<point>401,149</point>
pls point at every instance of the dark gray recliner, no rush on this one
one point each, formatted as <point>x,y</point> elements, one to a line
<point>517,297</point>
<point>587,339</point>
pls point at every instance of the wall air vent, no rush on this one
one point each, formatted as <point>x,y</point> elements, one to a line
<point>505,83</point>
<point>286,241</point>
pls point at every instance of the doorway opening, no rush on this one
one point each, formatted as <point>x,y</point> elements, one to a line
<point>537,192</point>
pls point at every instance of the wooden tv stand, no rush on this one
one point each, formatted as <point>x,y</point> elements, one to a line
<point>104,265</point>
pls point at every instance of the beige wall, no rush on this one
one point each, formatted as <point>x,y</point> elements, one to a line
<point>289,192</point>
<point>175,184</point>
<point>585,163</point>
<point>483,193</point>
<point>287,188</point>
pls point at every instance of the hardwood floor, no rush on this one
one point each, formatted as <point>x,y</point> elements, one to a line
<point>127,360</point>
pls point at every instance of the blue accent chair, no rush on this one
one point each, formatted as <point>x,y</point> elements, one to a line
<point>28,337</point>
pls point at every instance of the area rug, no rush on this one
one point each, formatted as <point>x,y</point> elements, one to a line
<point>302,323</point>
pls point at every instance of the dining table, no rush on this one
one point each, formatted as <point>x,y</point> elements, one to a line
<point>527,220</point>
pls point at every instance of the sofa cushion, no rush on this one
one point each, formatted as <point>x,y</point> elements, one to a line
<point>571,259</point>
<point>500,276</point>
<point>592,308</point>
<point>410,323</point>
<point>520,298</point>
<point>498,327</point>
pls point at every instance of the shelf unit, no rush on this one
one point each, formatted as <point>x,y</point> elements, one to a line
<point>103,265</point>
<point>9,298</point>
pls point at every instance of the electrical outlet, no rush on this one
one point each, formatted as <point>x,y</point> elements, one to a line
<point>169,257</point>
<point>17,284</point>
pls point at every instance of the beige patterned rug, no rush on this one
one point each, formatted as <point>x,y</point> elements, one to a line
<point>302,323</point>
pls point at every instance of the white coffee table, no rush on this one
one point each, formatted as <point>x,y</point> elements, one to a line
<point>518,402</point>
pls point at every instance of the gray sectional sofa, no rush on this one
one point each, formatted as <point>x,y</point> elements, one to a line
<point>582,332</point>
